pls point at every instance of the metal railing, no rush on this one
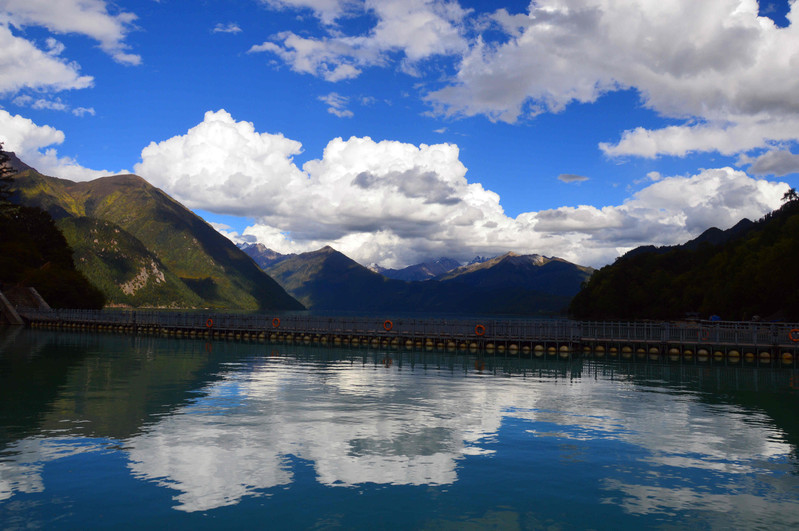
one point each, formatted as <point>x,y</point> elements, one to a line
<point>553,330</point>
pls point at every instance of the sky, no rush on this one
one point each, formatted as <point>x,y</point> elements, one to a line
<point>400,131</point>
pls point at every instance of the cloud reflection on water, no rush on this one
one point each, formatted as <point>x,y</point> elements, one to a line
<point>359,425</point>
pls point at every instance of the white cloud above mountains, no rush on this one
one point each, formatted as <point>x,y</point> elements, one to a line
<point>723,75</point>
<point>395,203</point>
<point>727,72</point>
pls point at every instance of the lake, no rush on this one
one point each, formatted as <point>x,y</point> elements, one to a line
<point>121,431</point>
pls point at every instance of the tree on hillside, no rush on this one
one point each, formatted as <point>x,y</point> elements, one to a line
<point>790,195</point>
<point>34,252</point>
<point>6,176</point>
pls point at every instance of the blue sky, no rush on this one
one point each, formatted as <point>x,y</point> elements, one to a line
<point>401,131</point>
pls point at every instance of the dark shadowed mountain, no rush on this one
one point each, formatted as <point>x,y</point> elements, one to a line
<point>712,236</point>
<point>744,271</point>
<point>531,272</point>
<point>145,248</point>
<point>328,280</point>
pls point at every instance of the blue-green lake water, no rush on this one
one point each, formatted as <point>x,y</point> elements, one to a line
<point>113,431</point>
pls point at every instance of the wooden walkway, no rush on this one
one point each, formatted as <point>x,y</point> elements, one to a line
<point>765,342</point>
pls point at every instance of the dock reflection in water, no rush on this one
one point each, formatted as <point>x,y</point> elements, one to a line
<point>105,430</point>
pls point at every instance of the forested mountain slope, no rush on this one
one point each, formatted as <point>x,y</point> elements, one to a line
<point>746,271</point>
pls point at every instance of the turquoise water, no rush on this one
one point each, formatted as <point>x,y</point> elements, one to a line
<point>110,431</point>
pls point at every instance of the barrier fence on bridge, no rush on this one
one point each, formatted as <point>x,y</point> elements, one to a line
<point>481,332</point>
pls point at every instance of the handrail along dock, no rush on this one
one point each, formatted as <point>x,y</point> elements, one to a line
<point>727,339</point>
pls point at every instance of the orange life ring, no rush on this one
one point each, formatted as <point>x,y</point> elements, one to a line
<point>209,323</point>
<point>388,325</point>
<point>794,335</point>
<point>704,334</point>
<point>276,322</point>
<point>479,330</point>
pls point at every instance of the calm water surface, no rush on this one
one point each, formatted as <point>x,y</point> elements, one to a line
<point>108,431</point>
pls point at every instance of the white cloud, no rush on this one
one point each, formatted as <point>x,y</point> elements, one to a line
<point>22,65</point>
<point>394,203</point>
<point>326,10</point>
<point>417,28</point>
<point>54,47</point>
<point>729,138</point>
<point>230,27</point>
<point>225,165</point>
<point>32,143</point>
<point>85,17</point>
<point>722,68</point>
<point>54,104</point>
<point>83,111</point>
<point>337,105</point>
<point>715,61</point>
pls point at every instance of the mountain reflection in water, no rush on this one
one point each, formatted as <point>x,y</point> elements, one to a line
<point>164,430</point>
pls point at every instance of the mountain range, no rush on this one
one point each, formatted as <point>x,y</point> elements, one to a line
<point>144,249</point>
<point>423,271</point>
<point>509,284</point>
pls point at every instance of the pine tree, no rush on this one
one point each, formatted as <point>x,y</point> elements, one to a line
<point>6,176</point>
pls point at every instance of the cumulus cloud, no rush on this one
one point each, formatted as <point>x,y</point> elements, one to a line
<point>86,17</point>
<point>395,203</point>
<point>32,143</point>
<point>418,29</point>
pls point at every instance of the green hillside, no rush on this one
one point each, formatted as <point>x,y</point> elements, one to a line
<point>123,268</point>
<point>33,252</point>
<point>200,267</point>
<point>747,271</point>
